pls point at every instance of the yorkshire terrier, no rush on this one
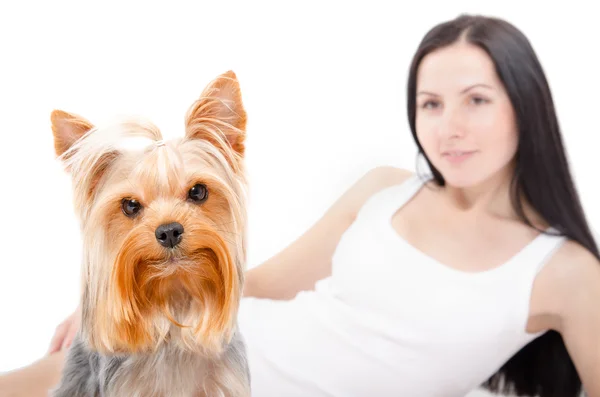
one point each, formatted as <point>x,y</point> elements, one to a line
<point>163,226</point>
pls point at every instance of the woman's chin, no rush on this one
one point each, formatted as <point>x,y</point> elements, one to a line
<point>462,180</point>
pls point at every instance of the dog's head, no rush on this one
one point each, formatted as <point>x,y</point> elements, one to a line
<point>163,224</point>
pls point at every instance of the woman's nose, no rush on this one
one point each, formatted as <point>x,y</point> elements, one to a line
<point>451,124</point>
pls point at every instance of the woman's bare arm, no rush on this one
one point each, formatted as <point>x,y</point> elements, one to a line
<point>308,259</point>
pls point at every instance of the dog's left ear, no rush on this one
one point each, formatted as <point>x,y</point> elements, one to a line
<point>67,129</point>
<point>218,115</point>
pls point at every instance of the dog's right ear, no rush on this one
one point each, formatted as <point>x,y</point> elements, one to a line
<point>67,129</point>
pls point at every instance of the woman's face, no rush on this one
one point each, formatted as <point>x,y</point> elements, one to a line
<point>464,118</point>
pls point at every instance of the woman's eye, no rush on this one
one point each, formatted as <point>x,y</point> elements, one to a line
<point>476,100</point>
<point>430,105</point>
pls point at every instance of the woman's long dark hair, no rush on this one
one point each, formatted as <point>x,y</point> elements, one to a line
<point>543,367</point>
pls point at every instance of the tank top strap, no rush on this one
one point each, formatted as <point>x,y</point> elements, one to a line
<point>539,252</point>
<point>522,275</point>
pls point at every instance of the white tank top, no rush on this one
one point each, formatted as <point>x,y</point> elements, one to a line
<point>391,321</point>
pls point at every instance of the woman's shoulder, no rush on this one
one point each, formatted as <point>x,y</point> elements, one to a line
<point>371,182</point>
<point>385,176</point>
<point>566,283</point>
<point>572,267</point>
<point>380,178</point>
<point>571,294</point>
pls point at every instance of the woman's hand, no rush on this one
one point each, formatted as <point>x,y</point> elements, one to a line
<point>65,332</point>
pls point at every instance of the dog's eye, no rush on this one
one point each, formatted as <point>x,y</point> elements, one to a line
<point>198,193</point>
<point>130,207</point>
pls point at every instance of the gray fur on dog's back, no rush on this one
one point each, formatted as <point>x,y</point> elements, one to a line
<point>167,372</point>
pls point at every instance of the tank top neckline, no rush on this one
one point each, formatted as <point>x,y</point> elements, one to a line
<point>408,189</point>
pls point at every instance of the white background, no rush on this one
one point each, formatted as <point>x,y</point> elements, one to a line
<point>323,83</point>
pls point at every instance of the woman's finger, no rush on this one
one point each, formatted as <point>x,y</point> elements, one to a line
<point>58,338</point>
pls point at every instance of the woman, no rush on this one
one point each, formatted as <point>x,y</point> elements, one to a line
<point>484,273</point>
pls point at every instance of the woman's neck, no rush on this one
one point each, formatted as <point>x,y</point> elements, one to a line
<point>490,198</point>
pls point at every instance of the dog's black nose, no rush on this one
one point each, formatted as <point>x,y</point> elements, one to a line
<point>169,235</point>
